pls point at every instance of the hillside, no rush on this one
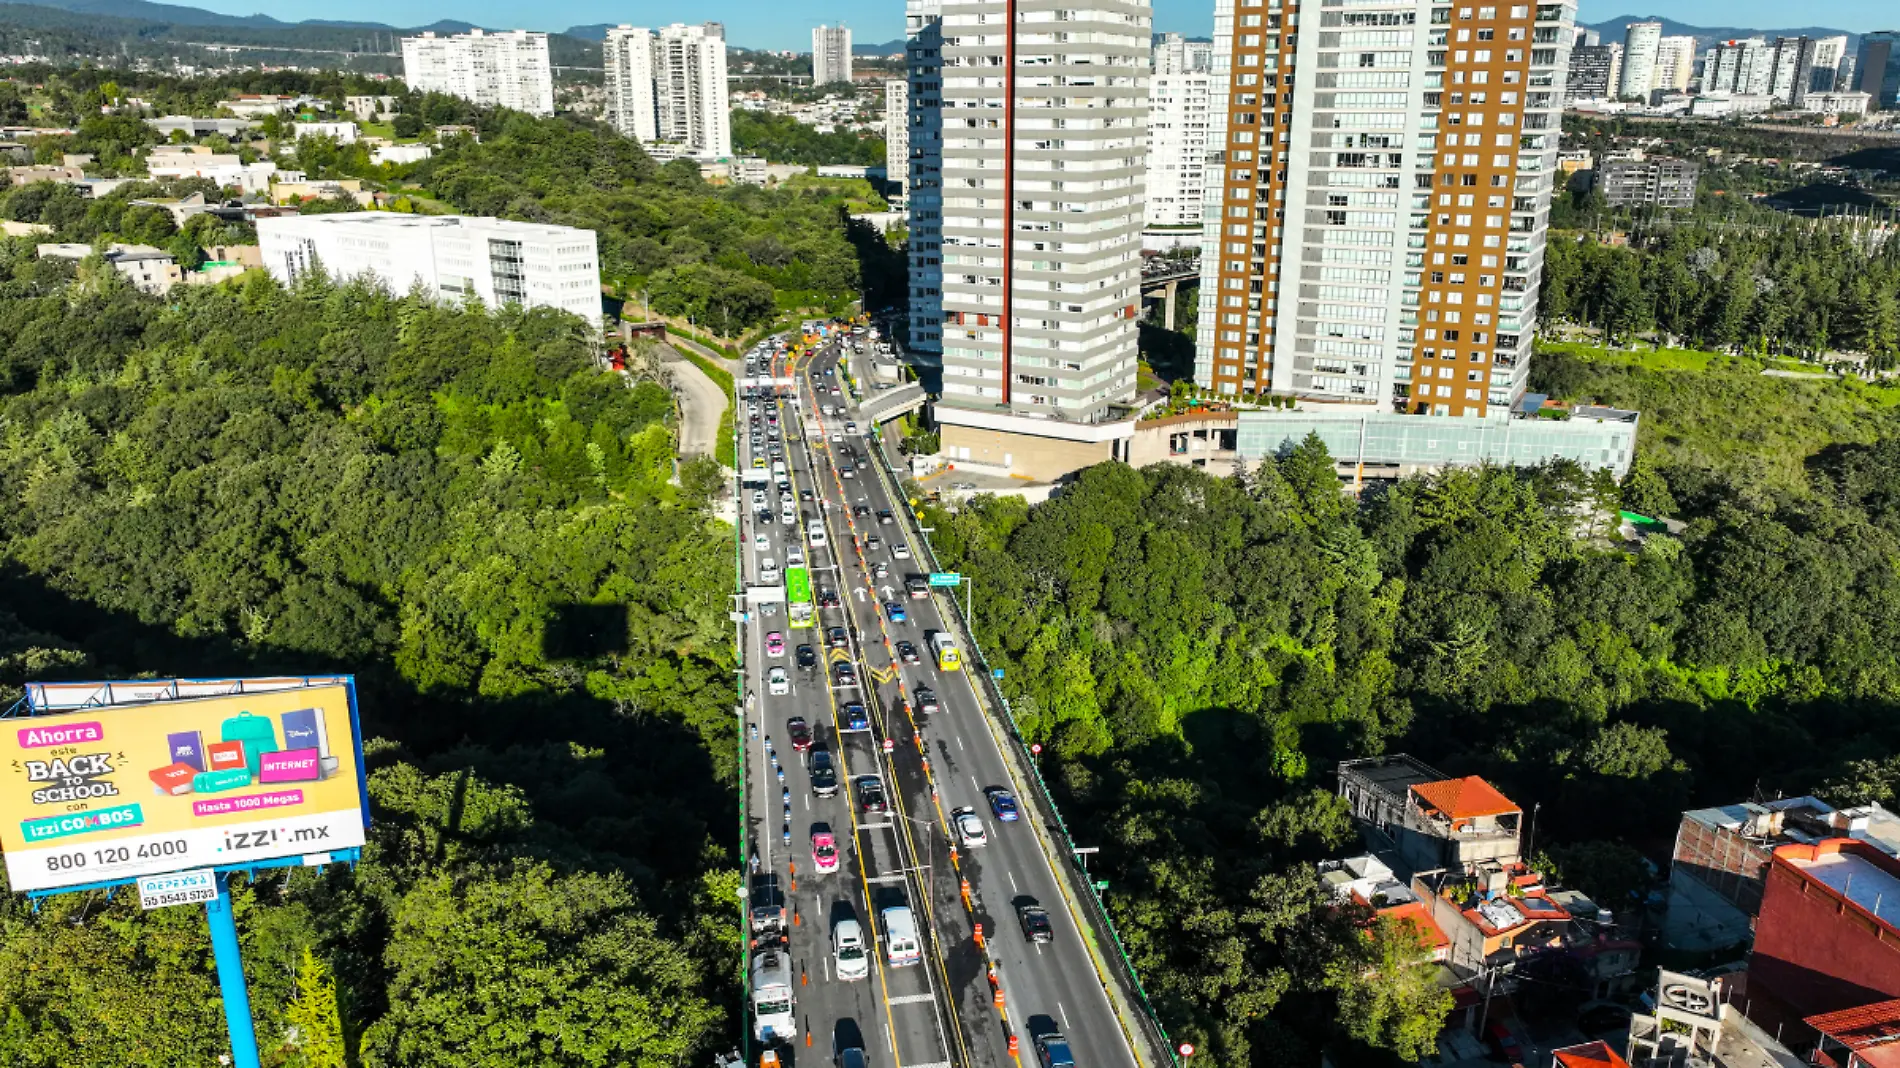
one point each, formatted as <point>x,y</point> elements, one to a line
<point>1612,30</point>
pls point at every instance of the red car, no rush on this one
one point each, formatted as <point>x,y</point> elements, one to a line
<point>800,733</point>
<point>824,849</point>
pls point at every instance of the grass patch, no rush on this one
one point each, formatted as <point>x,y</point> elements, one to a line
<point>1720,414</point>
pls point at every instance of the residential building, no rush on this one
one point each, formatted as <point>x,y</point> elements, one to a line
<point>1743,66</point>
<point>1877,68</point>
<point>343,133</point>
<point>1175,54</point>
<point>1368,444</point>
<point>1829,54</point>
<point>897,134</point>
<point>196,127</point>
<point>1026,216</point>
<point>296,192</point>
<point>454,257</point>
<point>226,169</point>
<point>1640,180</point>
<point>1860,1037</point>
<point>400,153</point>
<point>44,173</point>
<point>508,69</point>
<point>1697,1022</point>
<point>830,54</point>
<point>1675,64</point>
<point>748,170</point>
<point>369,108</point>
<point>689,90</point>
<point>1641,41</point>
<point>150,270</point>
<point>1177,149</point>
<point>1433,822</point>
<point>1825,939</point>
<point>1597,1054</point>
<point>1616,65</point>
<point>627,59</point>
<point>1375,229</point>
<point>1793,68</point>
<point>1589,77</point>
<point>258,105</point>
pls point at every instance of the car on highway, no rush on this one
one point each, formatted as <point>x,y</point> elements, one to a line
<point>758,497</point>
<point>837,438</point>
<point>873,542</point>
<point>824,849</point>
<point>775,644</point>
<point>851,428</point>
<point>885,517</point>
<point>900,550</point>
<point>1003,804</point>
<point>855,717</point>
<point>1052,1049</point>
<point>970,830</point>
<point>845,470</point>
<point>807,656</point>
<point>1035,921</point>
<point>926,700</point>
<point>827,598</point>
<point>847,945</point>
<point>761,543</point>
<point>881,569</point>
<point>851,1057</point>
<point>777,682</point>
<point>822,772</point>
<point>798,730</point>
<point>805,495</point>
<point>844,674</point>
<point>860,510</point>
<point>908,653</point>
<point>836,638</point>
<point>871,794</point>
<point>895,610</point>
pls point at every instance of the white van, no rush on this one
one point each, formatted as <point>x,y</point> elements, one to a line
<point>901,947</point>
<point>778,468</point>
<point>847,944</point>
<point>815,530</point>
<point>788,515</point>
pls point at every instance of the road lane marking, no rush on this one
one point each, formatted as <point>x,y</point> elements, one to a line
<point>913,999</point>
<point>1065,1017</point>
<point>874,826</point>
<point>960,744</point>
<point>897,877</point>
<point>1012,882</point>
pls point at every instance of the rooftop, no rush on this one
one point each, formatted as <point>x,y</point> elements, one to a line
<point>1468,798</point>
<point>1871,1032</point>
<point>1394,775</point>
<point>1596,1054</point>
<point>1846,867</point>
<point>1806,820</point>
<point>1415,913</point>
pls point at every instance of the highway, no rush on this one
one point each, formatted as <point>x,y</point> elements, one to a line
<point>937,763</point>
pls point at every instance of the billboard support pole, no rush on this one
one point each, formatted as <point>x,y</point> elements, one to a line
<point>237,996</point>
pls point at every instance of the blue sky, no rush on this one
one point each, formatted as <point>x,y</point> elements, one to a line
<point>776,24</point>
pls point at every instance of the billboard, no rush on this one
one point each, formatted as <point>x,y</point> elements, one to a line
<point>113,792</point>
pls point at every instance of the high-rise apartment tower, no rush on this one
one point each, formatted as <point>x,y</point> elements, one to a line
<point>1376,208</point>
<point>668,90</point>
<point>507,70</point>
<point>830,55</point>
<point>627,57</point>
<point>897,133</point>
<point>1640,43</point>
<point>1177,148</point>
<point>1028,146</point>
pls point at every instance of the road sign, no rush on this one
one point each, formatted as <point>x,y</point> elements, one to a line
<point>996,673</point>
<point>1187,1049</point>
<point>179,888</point>
<point>945,578</point>
<point>1035,749</point>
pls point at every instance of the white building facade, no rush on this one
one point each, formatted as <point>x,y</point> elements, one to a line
<point>1028,157</point>
<point>830,55</point>
<point>509,70</point>
<point>1641,40</point>
<point>453,257</point>
<point>689,90</point>
<point>1177,148</point>
<point>627,60</point>
<point>1675,64</point>
<point>897,133</point>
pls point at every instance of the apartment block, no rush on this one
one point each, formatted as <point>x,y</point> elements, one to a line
<point>1743,66</point>
<point>627,60</point>
<point>1433,821</point>
<point>1641,40</point>
<point>453,257</point>
<point>897,134</point>
<point>1589,77</point>
<point>1648,181</point>
<point>1829,54</point>
<point>1175,54</point>
<point>1177,148</point>
<point>509,70</point>
<point>1675,64</point>
<point>1376,206</point>
<point>1877,68</point>
<point>830,55</point>
<point>667,89</point>
<point>1793,68</point>
<point>1028,150</point>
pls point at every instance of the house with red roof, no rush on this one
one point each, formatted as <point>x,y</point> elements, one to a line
<point>1433,820</point>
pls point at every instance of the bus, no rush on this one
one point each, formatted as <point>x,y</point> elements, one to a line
<point>946,649</point>
<point>798,596</point>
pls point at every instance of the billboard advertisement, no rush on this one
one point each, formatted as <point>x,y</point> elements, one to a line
<point>112,793</point>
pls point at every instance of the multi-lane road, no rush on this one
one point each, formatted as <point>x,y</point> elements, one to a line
<point>964,1004</point>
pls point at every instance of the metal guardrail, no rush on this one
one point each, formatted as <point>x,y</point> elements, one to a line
<point>1156,1033</point>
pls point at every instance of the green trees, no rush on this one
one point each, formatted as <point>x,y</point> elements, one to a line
<point>783,139</point>
<point>457,506</point>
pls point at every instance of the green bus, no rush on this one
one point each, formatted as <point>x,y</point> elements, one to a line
<point>798,596</point>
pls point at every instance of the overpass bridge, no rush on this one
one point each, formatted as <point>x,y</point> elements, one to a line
<point>1162,284</point>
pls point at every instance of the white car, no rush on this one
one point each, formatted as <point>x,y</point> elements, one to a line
<point>777,682</point>
<point>900,551</point>
<point>768,571</point>
<point>970,829</point>
<point>847,943</point>
<point>760,543</point>
<point>758,497</point>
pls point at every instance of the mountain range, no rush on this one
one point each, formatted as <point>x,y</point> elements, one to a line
<point>1612,30</point>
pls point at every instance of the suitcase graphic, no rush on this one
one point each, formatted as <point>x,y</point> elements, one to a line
<point>257,734</point>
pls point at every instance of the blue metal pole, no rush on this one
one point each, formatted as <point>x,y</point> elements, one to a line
<point>237,996</point>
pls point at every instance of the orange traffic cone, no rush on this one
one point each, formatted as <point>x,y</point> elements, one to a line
<point>808,1040</point>
<point>1014,1049</point>
<point>796,919</point>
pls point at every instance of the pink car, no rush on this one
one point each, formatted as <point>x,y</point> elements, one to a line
<point>824,851</point>
<point>775,644</point>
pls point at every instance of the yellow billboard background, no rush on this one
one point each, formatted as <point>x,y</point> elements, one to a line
<point>114,792</point>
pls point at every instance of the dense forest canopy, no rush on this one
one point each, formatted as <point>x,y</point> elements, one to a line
<point>1197,653</point>
<point>458,507</point>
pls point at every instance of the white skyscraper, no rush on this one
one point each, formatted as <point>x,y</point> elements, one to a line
<point>1675,63</point>
<point>509,70</point>
<point>453,257</point>
<point>689,91</point>
<point>830,55</point>
<point>1177,148</point>
<point>1616,67</point>
<point>1028,151</point>
<point>627,56</point>
<point>897,133</point>
<point>1739,66</point>
<point>1640,43</point>
<point>1828,54</point>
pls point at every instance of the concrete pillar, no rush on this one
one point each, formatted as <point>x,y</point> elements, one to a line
<point>1167,305</point>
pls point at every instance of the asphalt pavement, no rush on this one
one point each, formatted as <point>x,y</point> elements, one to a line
<point>937,764</point>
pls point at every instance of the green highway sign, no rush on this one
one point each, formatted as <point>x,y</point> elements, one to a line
<point>945,578</point>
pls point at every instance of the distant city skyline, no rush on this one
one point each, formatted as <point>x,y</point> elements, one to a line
<point>780,26</point>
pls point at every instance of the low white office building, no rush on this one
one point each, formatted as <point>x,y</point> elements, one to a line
<point>226,169</point>
<point>400,154</point>
<point>451,256</point>
<point>343,133</point>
